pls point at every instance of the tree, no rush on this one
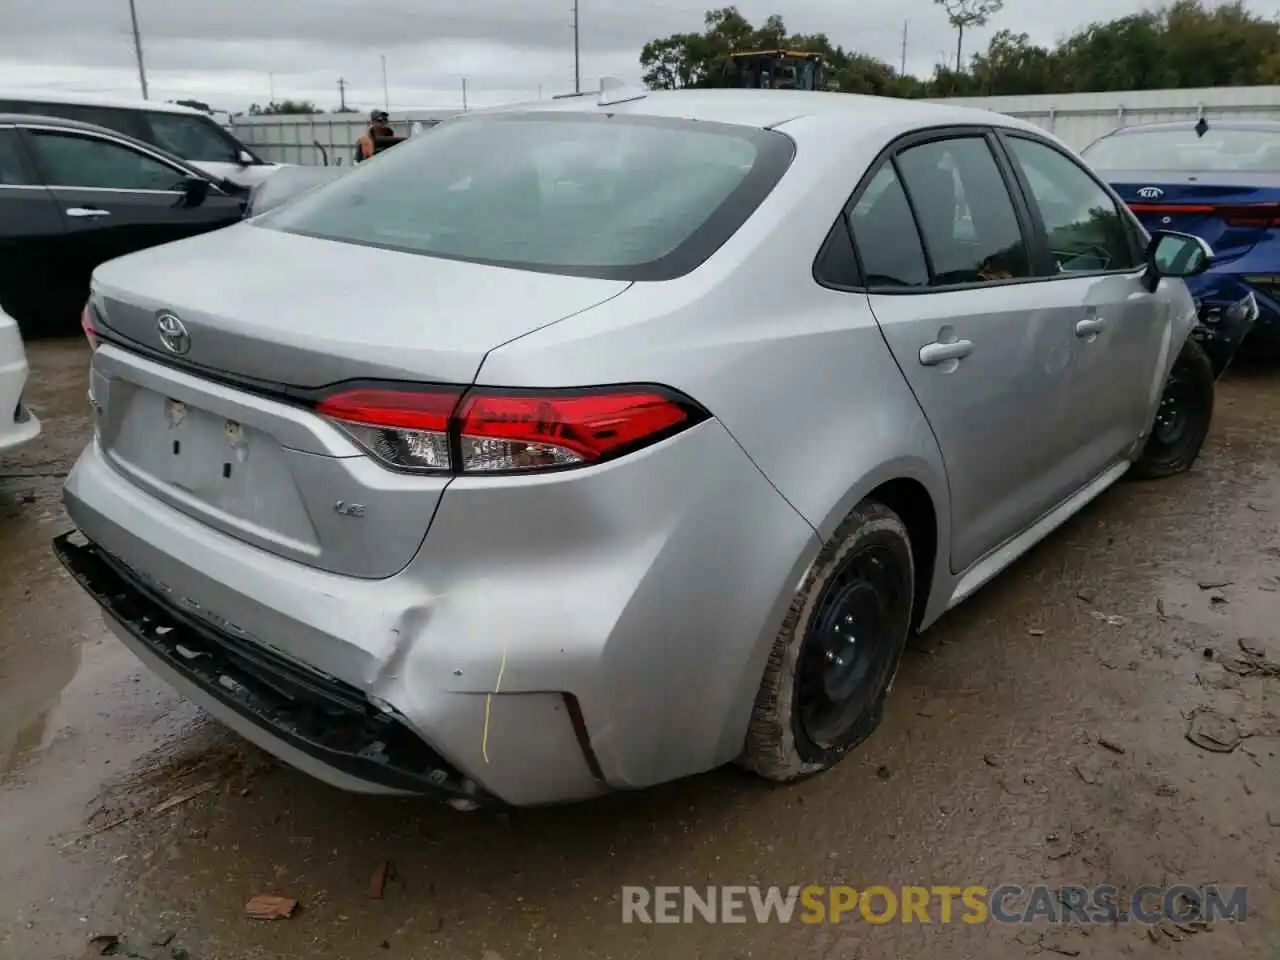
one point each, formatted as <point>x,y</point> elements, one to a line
<point>1013,65</point>
<point>295,107</point>
<point>968,13</point>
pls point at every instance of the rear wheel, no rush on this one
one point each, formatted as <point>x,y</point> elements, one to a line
<point>1183,417</point>
<point>836,656</point>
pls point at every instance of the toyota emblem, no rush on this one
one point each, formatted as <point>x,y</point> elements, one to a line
<point>1150,193</point>
<point>173,334</point>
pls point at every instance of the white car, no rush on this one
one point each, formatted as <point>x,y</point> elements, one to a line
<point>17,423</point>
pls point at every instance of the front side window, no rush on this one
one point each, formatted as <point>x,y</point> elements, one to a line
<point>886,234</point>
<point>198,139</point>
<point>965,212</point>
<point>588,195</point>
<point>72,160</point>
<point>12,170</point>
<point>1086,230</point>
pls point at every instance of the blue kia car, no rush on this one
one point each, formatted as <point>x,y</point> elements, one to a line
<point>1219,180</point>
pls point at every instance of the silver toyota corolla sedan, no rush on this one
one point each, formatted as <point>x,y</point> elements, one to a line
<point>585,445</point>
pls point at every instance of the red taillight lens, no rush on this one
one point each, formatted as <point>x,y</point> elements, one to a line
<point>88,326</point>
<point>1233,215</point>
<point>1251,215</point>
<point>403,428</point>
<point>503,431</point>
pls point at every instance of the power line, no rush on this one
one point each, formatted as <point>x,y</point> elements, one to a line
<point>577,59</point>
<point>137,49</point>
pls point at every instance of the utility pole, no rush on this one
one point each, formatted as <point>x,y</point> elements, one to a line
<point>386,97</point>
<point>271,87</point>
<point>577,56</point>
<point>464,94</point>
<point>342,95</point>
<point>137,49</point>
<point>902,71</point>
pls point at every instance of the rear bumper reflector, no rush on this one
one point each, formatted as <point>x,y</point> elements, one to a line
<point>324,718</point>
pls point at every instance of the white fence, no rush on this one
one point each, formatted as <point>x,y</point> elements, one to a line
<point>1080,118</point>
<point>308,139</point>
<point>1077,118</point>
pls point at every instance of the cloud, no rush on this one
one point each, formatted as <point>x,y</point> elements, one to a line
<point>234,52</point>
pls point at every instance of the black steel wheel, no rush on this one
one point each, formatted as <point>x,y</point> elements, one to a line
<point>836,656</point>
<point>1183,417</point>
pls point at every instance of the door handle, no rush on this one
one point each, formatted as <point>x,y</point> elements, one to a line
<point>932,354</point>
<point>1090,328</point>
<point>87,212</point>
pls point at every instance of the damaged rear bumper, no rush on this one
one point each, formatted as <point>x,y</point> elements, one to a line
<point>313,721</point>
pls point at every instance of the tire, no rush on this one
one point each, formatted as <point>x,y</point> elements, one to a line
<point>1183,418</point>
<point>863,579</point>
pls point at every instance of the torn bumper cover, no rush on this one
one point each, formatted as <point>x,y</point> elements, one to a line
<point>310,713</point>
<point>1223,325</point>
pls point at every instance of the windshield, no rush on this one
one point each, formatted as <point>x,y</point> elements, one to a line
<point>583,194</point>
<point>1220,150</point>
<point>198,139</point>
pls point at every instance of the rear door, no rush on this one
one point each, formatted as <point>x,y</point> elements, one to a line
<point>990,359</point>
<point>115,198</point>
<point>31,233</point>
<point>1095,267</point>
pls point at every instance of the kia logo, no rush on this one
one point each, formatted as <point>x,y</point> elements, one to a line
<point>173,334</point>
<point>1150,193</point>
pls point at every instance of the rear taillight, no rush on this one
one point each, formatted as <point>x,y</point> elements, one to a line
<point>87,325</point>
<point>408,429</point>
<point>507,431</point>
<point>1233,215</point>
<point>1251,215</point>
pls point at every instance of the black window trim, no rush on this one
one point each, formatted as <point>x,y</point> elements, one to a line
<point>1126,215</point>
<point>1029,222</point>
<point>25,159</point>
<point>888,155</point>
<point>31,129</point>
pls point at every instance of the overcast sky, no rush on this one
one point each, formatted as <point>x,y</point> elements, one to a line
<point>230,53</point>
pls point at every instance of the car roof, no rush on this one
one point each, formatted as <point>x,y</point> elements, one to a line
<point>34,120</point>
<point>85,100</point>
<point>769,108</point>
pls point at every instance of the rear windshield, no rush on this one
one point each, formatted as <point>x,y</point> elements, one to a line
<point>582,194</point>
<point>1220,150</point>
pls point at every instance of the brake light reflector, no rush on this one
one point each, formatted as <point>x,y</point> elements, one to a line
<point>503,431</point>
<point>406,429</point>
<point>88,326</point>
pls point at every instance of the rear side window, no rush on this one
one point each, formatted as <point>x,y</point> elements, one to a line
<point>13,171</point>
<point>1086,231</point>
<point>582,194</point>
<point>113,118</point>
<point>965,212</point>
<point>886,234</point>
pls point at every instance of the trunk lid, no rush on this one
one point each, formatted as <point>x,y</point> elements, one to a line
<point>293,312</point>
<point>297,311</point>
<point>1231,211</point>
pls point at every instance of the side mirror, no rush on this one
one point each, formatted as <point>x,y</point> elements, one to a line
<point>1179,255</point>
<point>244,158</point>
<point>195,190</point>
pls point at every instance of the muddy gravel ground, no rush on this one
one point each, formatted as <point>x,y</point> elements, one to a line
<point>1038,734</point>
